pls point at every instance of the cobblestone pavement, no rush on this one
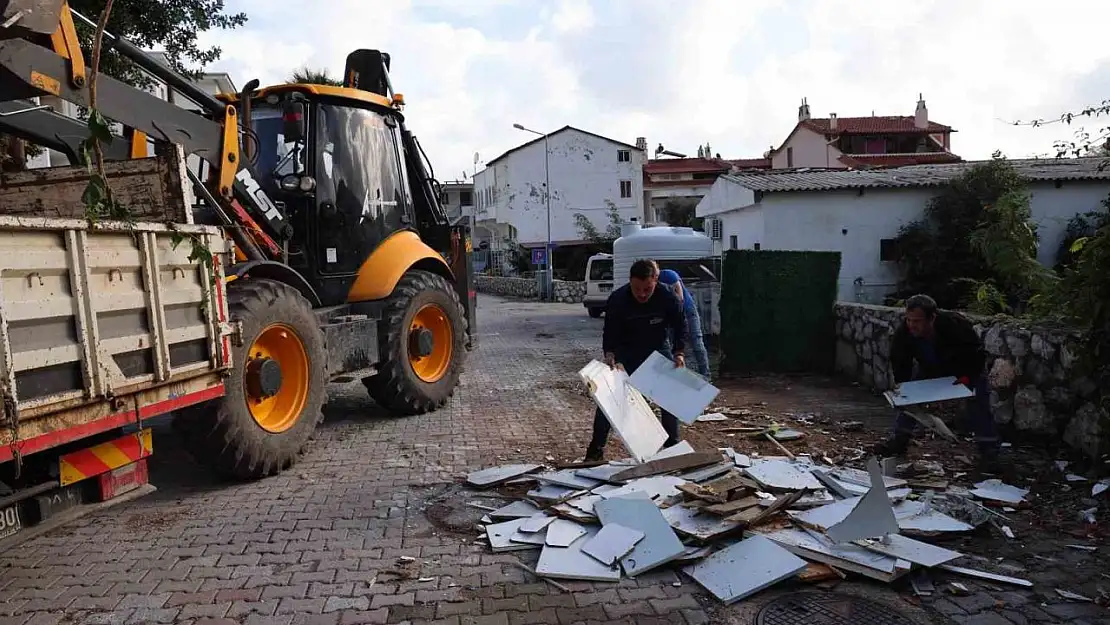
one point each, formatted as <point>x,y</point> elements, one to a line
<point>372,526</point>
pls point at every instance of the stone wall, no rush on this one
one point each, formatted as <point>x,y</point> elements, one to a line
<point>528,288</point>
<point>1036,386</point>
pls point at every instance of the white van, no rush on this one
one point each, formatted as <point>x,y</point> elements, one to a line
<point>599,283</point>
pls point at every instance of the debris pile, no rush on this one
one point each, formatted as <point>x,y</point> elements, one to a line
<point>716,513</point>
<point>736,523</point>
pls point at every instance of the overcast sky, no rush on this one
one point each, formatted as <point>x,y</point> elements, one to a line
<point>687,72</point>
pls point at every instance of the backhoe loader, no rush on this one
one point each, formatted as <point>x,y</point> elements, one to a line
<point>346,266</point>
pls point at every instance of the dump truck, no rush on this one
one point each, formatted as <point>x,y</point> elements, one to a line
<point>311,249</point>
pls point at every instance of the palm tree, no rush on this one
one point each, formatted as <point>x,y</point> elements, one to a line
<point>309,76</point>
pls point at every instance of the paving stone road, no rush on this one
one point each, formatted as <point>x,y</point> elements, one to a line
<point>372,527</point>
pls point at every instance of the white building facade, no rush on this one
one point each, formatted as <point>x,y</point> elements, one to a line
<point>589,175</point>
<point>859,213</point>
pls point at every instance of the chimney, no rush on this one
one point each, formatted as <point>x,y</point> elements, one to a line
<point>921,115</point>
<point>832,121</point>
<point>803,111</point>
<point>641,143</point>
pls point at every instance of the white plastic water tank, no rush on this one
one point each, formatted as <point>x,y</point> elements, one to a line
<point>658,243</point>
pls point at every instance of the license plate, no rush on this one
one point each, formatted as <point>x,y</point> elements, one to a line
<point>605,287</point>
<point>10,523</point>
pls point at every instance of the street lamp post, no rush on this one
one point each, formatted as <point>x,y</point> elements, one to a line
<point>549,276</point>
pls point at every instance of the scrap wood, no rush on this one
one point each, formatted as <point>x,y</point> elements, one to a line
<point>780,504</point>
<point>732,507</point>
<point>725,485</point>
<point>669,465</point>
<point>994,577</point>
<point>818,572</point>
<point>698,491</point>
<point>783,449</point>
<point>529,569</point>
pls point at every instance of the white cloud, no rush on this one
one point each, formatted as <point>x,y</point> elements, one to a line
<point>730,73</point>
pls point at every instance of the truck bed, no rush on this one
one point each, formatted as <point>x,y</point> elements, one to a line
<point>104,325</point>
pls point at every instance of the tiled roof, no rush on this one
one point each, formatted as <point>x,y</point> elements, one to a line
<point>914,175</point>
<point>685,166</point>
<point>898,160</point>
<point>883,124</point>
<point>751,163</point>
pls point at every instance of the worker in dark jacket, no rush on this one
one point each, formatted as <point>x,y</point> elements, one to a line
<point>943,344</point>
<point>637,317</point>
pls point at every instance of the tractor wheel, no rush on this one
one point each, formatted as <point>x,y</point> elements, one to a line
<point>422,345</point>
<point>276,392</point>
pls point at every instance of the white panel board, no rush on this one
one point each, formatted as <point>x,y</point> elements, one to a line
<point>677,390</point>
<point>626,409</point>
<point>927,391</point>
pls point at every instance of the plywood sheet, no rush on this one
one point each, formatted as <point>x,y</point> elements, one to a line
<point>614,541</point>
<point>625,408</point>
<point>927,391</point>
<point>659,546</point>
<point>745,568</point>
<point>571,563</point>
<point>679,391</point>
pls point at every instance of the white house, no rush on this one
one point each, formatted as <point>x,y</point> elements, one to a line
<point>457,198</point>
<point>835,142</point>
<point>859,213</point>
<point>588,174</point>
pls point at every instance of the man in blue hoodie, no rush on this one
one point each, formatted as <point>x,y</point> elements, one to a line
<point>637,317</point>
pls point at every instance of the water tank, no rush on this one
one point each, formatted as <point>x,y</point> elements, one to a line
<point>660,243</point>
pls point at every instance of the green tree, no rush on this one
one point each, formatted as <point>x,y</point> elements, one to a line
<point>974,241</point>
<point>307,76</point>
<point>683,213</point>
<point>588,231</point>
<point>172,25</point>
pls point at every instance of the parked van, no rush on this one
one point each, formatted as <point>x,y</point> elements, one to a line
<point>599,283</point>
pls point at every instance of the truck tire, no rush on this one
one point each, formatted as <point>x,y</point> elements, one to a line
<point>276,392</point>
<point>596,312</point>
<point>422,342</point>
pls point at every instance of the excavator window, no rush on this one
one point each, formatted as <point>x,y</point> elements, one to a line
<point>360,168</point>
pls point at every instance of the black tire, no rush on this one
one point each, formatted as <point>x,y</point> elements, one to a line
<point>596,312</point>
<point>222,433</point>
<point>396,386</point>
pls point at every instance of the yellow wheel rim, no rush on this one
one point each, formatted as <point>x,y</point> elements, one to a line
<point>276,411</point>
<point>431,322</point>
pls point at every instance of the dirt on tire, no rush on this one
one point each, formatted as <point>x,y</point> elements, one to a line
<point>223,434</point>
<point>396,386</point>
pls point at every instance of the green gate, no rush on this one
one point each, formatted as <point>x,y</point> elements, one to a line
<point>777,311</point>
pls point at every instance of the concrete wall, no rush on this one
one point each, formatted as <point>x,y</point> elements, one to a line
<point>855,222</point>
<point>584,173</point>
<point>528,288</point>
<point>1036,385</point>
<point>810,150</point>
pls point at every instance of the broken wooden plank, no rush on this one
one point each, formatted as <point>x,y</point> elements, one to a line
<point>698,491</point>
<point>733,507</point>
<point>729,483</point>
<point>780,504</point>
<point>150,189</point>
<point>994,577</point>
<point>817,572</point>
<point>669,465</point>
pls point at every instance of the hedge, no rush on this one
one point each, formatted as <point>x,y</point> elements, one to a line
<point>777,311</point>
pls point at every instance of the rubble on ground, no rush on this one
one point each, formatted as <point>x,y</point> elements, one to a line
<point>713,514</point>
<point>735,521</point>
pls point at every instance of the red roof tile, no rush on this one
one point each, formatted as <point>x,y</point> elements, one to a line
<point>751,163</point>
<point>898,160</point>
<point>685,166</point>
<point>888,124</point>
